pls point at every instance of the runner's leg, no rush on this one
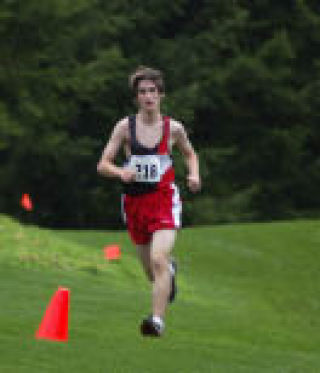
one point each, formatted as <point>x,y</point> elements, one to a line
<point>143,252</point>
<point>160,249</point>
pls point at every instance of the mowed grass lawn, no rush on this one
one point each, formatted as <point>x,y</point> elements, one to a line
<point>249,301</point>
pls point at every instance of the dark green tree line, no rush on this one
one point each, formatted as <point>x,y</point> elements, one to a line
<point>242,76</point>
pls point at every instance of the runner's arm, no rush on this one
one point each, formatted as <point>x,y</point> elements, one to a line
<point>106,166</point>
<point>190,156</point>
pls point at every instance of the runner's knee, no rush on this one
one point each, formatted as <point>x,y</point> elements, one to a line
<point>159,263</point>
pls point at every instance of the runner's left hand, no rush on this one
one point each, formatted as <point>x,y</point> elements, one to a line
<point>194,183</point>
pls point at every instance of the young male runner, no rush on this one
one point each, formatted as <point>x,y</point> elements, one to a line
<point>151,201</point>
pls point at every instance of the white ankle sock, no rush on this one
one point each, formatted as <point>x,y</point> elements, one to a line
<point>158,320</point>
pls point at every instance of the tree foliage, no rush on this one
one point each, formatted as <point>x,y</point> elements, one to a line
<point>242,76</point>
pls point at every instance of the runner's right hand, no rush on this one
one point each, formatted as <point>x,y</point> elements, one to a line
<point>127,175</point>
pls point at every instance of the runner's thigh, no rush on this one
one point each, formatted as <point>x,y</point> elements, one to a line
<point>162,242</point>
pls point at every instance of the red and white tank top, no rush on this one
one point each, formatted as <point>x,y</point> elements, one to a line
<point>153,166</point>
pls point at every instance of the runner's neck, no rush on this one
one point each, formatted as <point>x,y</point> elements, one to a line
<point>149,118</point>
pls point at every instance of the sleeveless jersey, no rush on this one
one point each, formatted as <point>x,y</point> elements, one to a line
<point>153,166</point>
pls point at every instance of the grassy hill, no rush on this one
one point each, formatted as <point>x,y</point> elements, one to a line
<point>248,301</point>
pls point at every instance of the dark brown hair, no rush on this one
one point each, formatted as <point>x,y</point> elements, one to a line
<point>146,73</point>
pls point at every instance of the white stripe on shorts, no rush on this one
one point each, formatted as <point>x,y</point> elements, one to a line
<point>176,206</point>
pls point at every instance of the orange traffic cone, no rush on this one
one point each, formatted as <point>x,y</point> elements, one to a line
<point>54,325</point>
<point>112,252</point>
<point>26,202</point>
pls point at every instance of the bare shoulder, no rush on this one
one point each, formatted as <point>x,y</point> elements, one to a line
<point>179,137</point>
<point>176,128</point>
<point>122,125</point>
<point>120,131</point>
<point>118,138</point>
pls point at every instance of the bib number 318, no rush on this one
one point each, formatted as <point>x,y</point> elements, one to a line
<point>147,168</point>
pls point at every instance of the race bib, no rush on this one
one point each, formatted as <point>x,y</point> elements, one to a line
<point>147,168</point>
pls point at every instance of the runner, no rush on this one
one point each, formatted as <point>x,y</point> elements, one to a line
<point>151,201</point>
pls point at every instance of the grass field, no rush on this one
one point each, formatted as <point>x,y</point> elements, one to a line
<point>249,301</point>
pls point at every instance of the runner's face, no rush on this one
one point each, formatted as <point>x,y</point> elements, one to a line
<point>148,96</point>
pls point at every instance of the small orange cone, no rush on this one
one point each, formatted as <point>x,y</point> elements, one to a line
<point>26,202</point>
<point>112,252</point>
<point>54,325</point>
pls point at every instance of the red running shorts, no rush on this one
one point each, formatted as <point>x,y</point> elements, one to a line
<point>146,213</point>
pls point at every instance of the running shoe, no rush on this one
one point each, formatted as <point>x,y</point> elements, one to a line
<point>152,328</point>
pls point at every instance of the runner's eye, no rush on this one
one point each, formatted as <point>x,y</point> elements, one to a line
<point>143,91</point>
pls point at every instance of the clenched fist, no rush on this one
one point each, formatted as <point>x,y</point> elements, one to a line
<point>194,183</point>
